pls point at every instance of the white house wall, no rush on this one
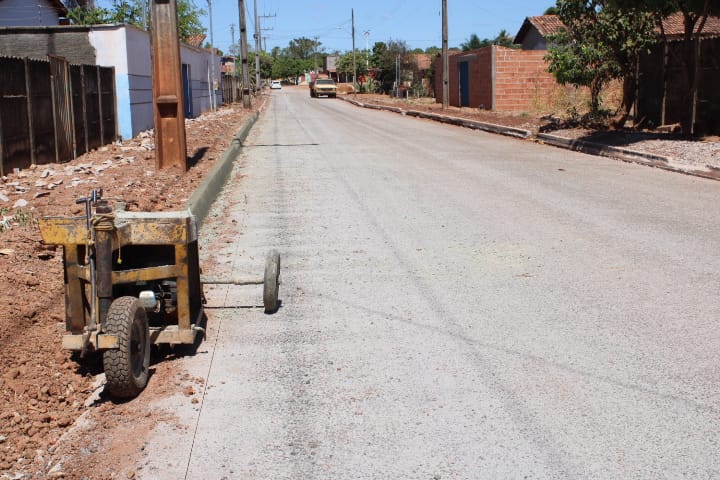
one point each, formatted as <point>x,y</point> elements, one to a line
<point>199,60</point>
<point>128,49</point>
<point>24,13</point>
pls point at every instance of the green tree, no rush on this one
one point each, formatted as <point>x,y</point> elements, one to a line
<point>345,65</point>
<point>266,65</point>
<point>92,16</point>
<point>189,23</point>
<point>599,42</point>
<point>287,67</point>
<point>473,43</point>
<point>504,39</point>
<point>124,11</point>
<point>433,50</point>
<point>551,11</point>
<point>131,12</point>
<point>303,48</point>
<point>378,51</point>
<point>388,58</point>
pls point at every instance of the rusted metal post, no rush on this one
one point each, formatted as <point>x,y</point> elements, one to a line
<point>104,232</point>
<point>167,87</point>
<point>28,96</point>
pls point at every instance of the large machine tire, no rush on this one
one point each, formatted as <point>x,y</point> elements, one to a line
<point>127,368</point>
<point>271,283</point>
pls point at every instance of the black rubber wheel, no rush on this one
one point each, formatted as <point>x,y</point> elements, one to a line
<point>271,284</point>
<point>127,368</point>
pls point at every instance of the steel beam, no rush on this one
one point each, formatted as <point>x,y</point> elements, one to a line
<point>170,146</point>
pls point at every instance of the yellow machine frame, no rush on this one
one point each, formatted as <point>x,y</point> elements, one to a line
<point>176,230</point>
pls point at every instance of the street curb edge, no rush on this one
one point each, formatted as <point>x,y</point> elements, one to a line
<point>207,192</point>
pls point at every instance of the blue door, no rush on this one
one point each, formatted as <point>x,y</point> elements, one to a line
<point>464,84</point>
<point>187,90</point>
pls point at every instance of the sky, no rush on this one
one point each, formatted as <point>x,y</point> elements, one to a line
<point>417,22</point>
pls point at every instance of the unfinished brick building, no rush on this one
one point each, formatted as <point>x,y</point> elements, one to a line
<point>497,78</point>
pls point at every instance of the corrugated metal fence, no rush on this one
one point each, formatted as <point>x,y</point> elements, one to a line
<point>231,88</point>
<point>51,111</point>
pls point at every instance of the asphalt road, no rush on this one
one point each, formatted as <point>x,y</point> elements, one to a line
<point>456,305</point>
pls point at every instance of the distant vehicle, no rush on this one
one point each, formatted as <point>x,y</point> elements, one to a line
<point>323,86</point>
<point>275,85</point>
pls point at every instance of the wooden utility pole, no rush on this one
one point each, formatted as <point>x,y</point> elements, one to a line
<point>167,87</point>
<point>445,60</point>
<point>352,11</point>
<point>257,48</point>
<point>213,100</point>
<point>244,55</point>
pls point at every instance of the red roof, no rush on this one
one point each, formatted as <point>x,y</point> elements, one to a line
<point>546,25</point>
<point>674,26</point>
<point>196,40</point>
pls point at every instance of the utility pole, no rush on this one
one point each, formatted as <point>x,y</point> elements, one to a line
<point>213,105</point>
<point>352,11</point>
<point>445,60</point>
<point>367,50</point>
<point>315,53</point>
<point>144,6</point>
<point>263,39</point>
<point>397,76</point>
<point>232,34</point>
<point>257,48</point>
<point>244,55</point>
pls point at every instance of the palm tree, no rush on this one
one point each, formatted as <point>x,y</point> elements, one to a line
<point>504,39</point>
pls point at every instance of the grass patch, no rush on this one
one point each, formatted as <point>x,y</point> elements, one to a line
<point>16,218</point>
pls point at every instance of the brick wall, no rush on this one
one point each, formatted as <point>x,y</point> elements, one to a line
<point>480,73</point>
<point>501,79</point>
<point>521,79</point>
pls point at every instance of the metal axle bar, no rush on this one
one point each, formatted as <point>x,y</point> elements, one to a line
<point>230,281</point>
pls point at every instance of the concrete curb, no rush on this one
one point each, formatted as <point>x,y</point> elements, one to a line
<point>205,194</point>
<point>591,148</point>
<point>624,154</point>
<point>602,150</point>
<point>462,122</point>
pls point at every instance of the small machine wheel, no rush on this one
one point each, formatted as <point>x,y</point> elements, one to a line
<point>271,284</point>
<point>127,368</point>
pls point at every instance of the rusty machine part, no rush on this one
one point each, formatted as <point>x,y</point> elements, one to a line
<point>168,108</point>
<point>132,279</point>
<point>270,282</point>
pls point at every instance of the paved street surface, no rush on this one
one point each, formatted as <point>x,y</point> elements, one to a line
<point>455,305</point>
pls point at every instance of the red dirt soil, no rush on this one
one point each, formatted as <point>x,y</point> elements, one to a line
<point>43,391</point>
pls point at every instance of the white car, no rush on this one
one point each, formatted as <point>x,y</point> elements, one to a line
<point>275,85</point>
